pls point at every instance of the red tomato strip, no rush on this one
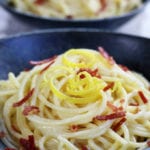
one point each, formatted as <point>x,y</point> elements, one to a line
<point>106,56</point>
<point>44,69</point>
<point>148,143</point>
<point>15,128</point>
<point>74,128</point>
<point>42,61</point>
<point>93,73</point>
<point>118,125</point>
<point>103,4</point>
<point>9,148</point>
<point>111,116</point>
<point>22,101</point>
<point>142,96</point>
<point>109,86</point>
<point>26,69</point>
<point>102,8</point>
<point>39,2</point>
<point>134,104</point>
<point>2,134</point>
<point>122,101</point>
<point>28,144</point>
<point>113,107</point>
<point>69,17</point>
<point>30,109</point>
<point>83,147</point>
<point>124,68</point>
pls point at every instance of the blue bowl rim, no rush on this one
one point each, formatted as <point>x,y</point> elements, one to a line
<point>30,15</point>
<point>67,30</point>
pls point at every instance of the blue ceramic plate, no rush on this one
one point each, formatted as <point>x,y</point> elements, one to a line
<point>41,22</point>
<point>16,52</point>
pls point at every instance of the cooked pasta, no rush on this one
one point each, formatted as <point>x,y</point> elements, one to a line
<point>79,100</point>
<point>76,9</point>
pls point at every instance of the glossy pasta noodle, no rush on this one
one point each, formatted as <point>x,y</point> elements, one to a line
<point>79,100</point>
<point>76,9</point>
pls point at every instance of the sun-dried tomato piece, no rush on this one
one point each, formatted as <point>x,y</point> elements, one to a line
<point>83,147</point>
<point>27,69</point>
<point>9,148</point>
<point>74,128</point>
<point>43,61</point>
<point>124,68</point>
<point>2,134</point>
<point>134,104</point>
<point>106,56</point>
<point>142,96</point>
<point>26,98</point>
<point>122,101</point>
<point>93,73</point>
<point>28,144</point>
<point>109,86</point>
<point>69,17</point>
<point>30,110</point>
<point>39,2</point>
<point>103,4</point>
<point>44,69</point>
<point>118,125</point>
<point>148,143</point>
<point>111,116</point>
<point>14,127</point>
<point>114,108</point>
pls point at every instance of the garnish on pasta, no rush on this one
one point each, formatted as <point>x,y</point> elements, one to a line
<point>81,99</point>
<point>76,9</point>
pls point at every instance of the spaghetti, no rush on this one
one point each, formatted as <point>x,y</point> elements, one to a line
<point>76,9</point>
<point>79,100</point>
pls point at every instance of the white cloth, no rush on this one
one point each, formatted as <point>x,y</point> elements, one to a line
<point>140,25</point>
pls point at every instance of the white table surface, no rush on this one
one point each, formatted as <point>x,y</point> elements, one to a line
<point>140,25</point>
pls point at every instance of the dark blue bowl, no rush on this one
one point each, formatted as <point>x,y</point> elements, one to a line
<point>16,52</point>
<point>41,22</point>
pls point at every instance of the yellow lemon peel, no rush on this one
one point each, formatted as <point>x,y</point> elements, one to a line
<point>82,58</point>
<point>79,91</point>
<point>76,87</point>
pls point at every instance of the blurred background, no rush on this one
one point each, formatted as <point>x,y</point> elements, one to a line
<point>139,25</point>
